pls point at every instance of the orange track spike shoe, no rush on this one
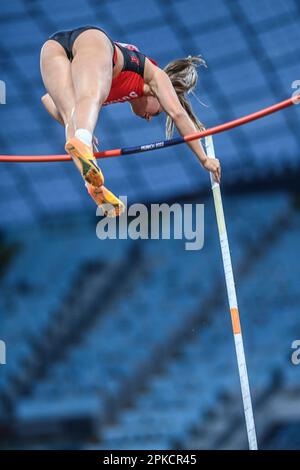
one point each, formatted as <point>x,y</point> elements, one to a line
<point>85,161</point>
<point>109,203</point>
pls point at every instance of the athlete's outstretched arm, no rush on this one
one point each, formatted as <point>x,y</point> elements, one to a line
<point>161,86</point>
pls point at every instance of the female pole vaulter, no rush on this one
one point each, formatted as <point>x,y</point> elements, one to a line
<point>84,69</point>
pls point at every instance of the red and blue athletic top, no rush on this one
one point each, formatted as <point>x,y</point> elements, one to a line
<point>129,83</point>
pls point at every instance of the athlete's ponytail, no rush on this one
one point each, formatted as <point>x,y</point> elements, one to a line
<point>183,75</point>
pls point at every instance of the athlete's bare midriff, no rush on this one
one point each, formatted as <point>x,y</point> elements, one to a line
<point>119,62</point>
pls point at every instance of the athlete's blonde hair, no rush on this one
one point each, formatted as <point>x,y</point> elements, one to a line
<point>184,76</point>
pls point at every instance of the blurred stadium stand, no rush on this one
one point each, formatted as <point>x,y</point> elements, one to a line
<point>127,344</point>
<point>140,355</point>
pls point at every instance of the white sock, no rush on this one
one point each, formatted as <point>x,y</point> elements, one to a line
<point>85,136</point>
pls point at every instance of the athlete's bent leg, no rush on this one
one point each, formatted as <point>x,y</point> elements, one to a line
<point>57,78</point>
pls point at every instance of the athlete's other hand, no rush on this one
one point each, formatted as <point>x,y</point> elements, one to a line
<point>213,165</point>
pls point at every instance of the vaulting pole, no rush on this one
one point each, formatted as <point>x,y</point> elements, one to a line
<point>232,299</point>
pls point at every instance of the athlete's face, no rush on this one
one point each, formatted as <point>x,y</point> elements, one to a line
<point>146,107</point>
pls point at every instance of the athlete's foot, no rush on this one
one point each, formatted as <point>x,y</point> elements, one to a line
<point>84,159</point>
<point>109,203</point>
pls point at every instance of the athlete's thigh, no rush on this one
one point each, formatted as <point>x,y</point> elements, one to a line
<point>92,65</point>
<point>56,75</point>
